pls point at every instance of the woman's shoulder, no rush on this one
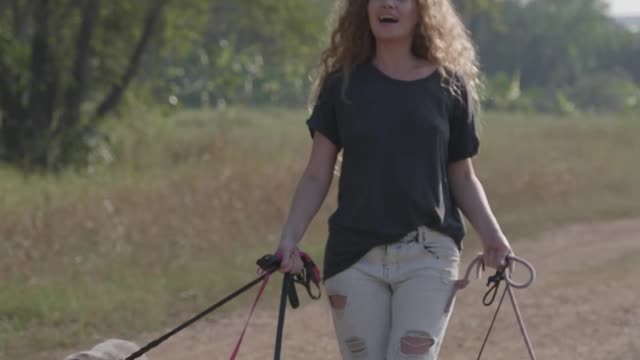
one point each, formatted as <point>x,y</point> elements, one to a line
<point>337,80</point>
<point>344,73</point>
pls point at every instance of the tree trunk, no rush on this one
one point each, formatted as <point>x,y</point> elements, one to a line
<point>18,19</point>
<point>12,116</point>
<point>114,96</point>
<point>75,94</point>
<point>43,90</point>
<point>67,129</point>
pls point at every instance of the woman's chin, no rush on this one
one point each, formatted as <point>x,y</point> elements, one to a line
<point>392,36</point>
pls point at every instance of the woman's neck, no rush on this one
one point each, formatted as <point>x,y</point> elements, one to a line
<point>394,57</point>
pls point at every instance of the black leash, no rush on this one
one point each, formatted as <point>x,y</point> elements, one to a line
<point>266,263</point>
<point>306,277</point>
<point>269,264</point>
<point>189,322</point>
<point>287,286</point>
<point>493,290</point>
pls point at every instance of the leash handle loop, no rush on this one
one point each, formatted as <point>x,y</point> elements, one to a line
<point>310,274</point>
<point>478,265</point>
<point>528,266</point>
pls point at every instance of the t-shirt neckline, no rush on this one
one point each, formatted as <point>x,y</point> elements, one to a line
<point>385,76</point>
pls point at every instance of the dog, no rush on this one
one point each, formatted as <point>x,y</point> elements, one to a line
<point>112,349</point>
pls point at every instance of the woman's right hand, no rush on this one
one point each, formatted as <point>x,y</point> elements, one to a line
<point>291,261</point>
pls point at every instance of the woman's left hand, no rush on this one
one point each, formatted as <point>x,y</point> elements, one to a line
<point>496,250</point>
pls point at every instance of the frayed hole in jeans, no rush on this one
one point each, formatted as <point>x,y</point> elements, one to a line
<point>356,346</point>
<point>338,302</point>
<point>416,343</point>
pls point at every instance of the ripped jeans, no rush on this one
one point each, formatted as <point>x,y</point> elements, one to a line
<point>391,303</point>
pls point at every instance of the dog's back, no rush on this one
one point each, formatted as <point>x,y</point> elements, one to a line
<point>113,349</point>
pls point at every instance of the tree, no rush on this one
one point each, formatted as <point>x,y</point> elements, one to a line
<point>257,51</point>
<point>548,46</point>
<point>64,66</point>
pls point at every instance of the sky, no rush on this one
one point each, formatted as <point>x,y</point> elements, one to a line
<point>624,7</point>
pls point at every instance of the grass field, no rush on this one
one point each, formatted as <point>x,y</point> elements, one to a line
<point>194,198</point>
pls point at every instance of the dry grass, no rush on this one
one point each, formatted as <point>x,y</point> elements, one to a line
<point>196,197</point>
<point>541,171</point>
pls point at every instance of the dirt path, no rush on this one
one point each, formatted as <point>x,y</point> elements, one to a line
<point>585,304</point>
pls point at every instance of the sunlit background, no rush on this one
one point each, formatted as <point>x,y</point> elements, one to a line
<point>624,7</point>
<point>149,151</point>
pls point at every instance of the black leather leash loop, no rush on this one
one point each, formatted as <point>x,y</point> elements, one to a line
<point>292,294</point>
<point>493,290</point>
<point>306,277</point>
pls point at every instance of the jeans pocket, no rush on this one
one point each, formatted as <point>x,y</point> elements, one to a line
<point>435,243</point>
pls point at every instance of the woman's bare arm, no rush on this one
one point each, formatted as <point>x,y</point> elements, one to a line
<point>310,193</point>
<point>472,200</point>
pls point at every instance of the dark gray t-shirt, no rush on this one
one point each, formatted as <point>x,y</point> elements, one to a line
<point>398,138</point>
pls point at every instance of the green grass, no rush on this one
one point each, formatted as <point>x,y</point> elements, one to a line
<point>193,199</point>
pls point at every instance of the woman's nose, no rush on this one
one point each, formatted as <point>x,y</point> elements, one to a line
<point>388,3</point>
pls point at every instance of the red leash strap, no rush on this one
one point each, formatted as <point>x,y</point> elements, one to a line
<point>253,307</point>
<point>267,264</point>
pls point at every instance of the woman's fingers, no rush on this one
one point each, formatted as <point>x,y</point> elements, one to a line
<point>501,257</point>
<point>512,264</point>
<point>496,258</point>
<point>297,265</point>
<point>489,258</point>
<point>291,261</point>
<point>285,262</point>
<point>496,251</point>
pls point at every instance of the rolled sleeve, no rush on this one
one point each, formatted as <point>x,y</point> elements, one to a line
<point>323,116</point>
<point>464,141</point>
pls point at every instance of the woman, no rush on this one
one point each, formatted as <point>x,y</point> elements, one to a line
<point>397,94</point>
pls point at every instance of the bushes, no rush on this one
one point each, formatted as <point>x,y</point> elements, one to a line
<point>612,91</point>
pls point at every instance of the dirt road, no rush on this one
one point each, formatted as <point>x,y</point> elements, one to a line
<point>585,304</point>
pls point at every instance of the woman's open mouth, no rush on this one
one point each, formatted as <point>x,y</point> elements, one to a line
<point>386,19</point>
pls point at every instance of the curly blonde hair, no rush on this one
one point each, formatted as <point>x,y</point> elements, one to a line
<point>440,38</point>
